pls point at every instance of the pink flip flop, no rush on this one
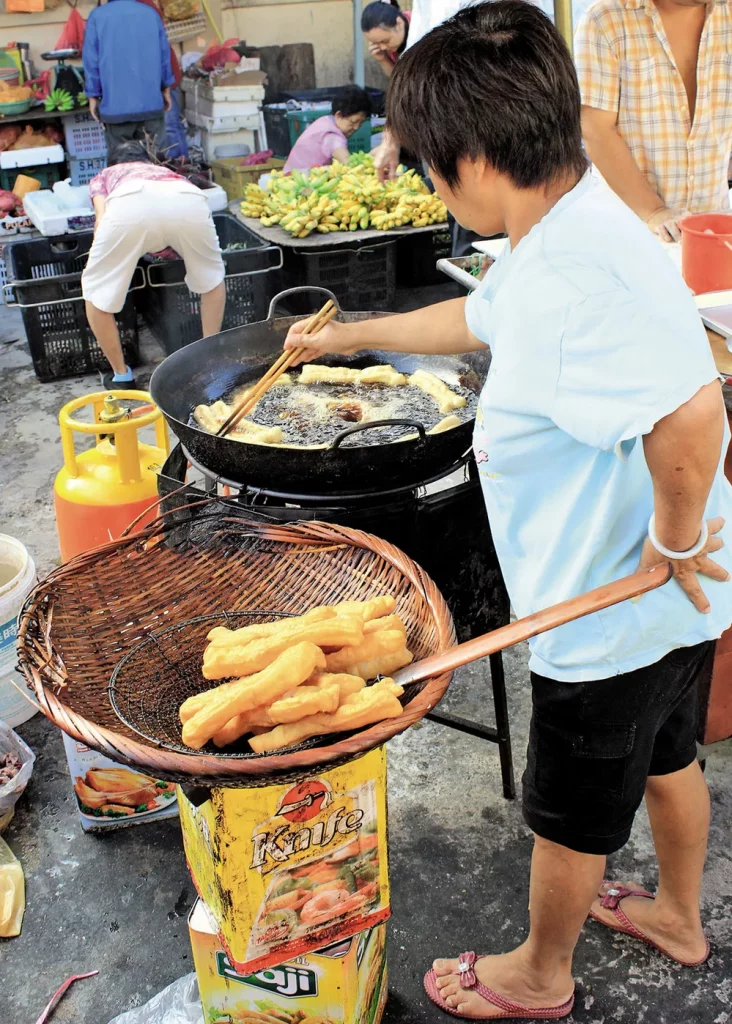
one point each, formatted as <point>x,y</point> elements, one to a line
<point>513,1011</point>
<point>612,900</point>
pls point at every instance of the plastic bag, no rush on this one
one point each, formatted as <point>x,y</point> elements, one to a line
<point>179,10</point>
<point>72,37</point>
<point>12,893</point>
<point>11,743</point>
<point>218,55</point>
<point>177,1004</point>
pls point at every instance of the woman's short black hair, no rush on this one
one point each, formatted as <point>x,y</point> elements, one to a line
<point>351,99</point>
<point>379,15</point>
<point>496,81</point>
<point>129,153</point>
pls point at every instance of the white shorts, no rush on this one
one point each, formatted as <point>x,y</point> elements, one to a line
<point>147,216</point>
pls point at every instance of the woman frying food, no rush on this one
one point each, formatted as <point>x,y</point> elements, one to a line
<point>387,28</point>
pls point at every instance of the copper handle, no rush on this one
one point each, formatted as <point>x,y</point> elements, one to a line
<point>640,582</point>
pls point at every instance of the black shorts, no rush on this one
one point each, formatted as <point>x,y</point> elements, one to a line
<point>593,745</point>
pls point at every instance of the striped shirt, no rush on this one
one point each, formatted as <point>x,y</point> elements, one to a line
<point>625,66</point>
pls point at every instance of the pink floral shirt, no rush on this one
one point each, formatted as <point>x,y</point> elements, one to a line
<point>111,178</point>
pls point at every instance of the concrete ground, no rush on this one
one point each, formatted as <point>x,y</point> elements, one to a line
<point>459,852</point>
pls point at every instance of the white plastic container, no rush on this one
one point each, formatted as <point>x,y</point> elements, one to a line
<point>216,198</point>
<point>222,93</point>
<point>17,579</point>
<point>215,108</point>
<point>49,214</point>
<point>210,142</point>
<point>33,157</point>
<point>219,125</point>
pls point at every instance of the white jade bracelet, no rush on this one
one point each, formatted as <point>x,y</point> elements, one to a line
<point>677,555</point>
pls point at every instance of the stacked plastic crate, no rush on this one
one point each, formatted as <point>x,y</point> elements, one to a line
<point>228,111</point>
<point>86,146</point>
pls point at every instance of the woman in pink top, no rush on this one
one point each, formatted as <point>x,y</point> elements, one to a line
<point>387,29</point>
<point>326,139</point>
<point>142,207</point>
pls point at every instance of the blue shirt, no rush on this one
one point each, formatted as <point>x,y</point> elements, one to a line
<point>594,338</point>
<point>126,59</point>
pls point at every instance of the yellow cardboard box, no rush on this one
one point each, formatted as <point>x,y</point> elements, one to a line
<point>342,984</point>
<point>288,869</point>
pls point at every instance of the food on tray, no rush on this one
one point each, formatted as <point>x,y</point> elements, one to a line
<point>15,94</point>
<point>436,388</point>
<point>309,669</point>
<point>291,667</point>
<point>310,410</point>
<point>119,792</point>
<point>223,662</point>
<point>343,197</point>
<point>368,706</point>
<point>382,373</point>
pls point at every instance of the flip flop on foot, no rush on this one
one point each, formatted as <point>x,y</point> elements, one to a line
<point>611,896</point>
<point>469,982</point>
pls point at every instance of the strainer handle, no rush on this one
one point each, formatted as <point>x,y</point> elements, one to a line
<point>638,583</point>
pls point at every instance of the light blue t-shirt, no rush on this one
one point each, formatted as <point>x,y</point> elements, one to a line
<point>594,338</point>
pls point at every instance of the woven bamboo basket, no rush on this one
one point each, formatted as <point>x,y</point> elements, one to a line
<point>93,611</point>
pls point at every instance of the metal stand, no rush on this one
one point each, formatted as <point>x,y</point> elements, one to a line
<point>501,734</point>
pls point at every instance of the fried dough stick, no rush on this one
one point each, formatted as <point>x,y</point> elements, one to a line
<point>328,691</point>
<point>220,636</point>
<point>382,373</point>
<point>374,608</point>
<point>374,646</point>
<point>387,622</point>
<point>221,662</point>
<point>292,667</point>
<point>374,704</point>
<point>436,388</point>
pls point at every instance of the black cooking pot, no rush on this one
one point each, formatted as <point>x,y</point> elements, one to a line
<point>208,369</point>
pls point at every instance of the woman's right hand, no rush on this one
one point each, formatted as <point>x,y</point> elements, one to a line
<point>377,53</point>
<point>333,339</point>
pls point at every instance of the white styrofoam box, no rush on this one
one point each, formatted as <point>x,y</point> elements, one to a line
<point>52,218</point>
<point>222,108</point>
<point>33,157</point>
<point>209,142</point>
<point>223,93</point>
<point>220,125</point>
<point>216,198</point>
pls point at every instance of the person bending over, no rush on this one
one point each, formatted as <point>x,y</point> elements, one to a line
<point>142,207</point>
<point>609,456</point>
<point>326,139</point>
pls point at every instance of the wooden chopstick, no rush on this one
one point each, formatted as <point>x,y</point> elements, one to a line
<point>283,363</point>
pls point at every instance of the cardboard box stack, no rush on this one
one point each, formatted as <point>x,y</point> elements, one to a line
<point>227,112</point>
<point>294,888</point>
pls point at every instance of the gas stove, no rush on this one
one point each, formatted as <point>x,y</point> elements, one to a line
<point>440,523</point>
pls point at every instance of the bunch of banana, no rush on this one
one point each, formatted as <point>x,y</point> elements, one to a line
<point>342,197</point>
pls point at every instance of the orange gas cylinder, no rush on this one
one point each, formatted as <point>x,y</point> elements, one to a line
<point>99,492</point>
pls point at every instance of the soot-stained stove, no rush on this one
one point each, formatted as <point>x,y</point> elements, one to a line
<point>441,524</point>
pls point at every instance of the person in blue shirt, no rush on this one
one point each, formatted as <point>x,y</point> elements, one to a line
<point>126,58</point>
<point>600,442</point>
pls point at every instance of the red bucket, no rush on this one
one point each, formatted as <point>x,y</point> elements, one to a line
<point>706,251</point>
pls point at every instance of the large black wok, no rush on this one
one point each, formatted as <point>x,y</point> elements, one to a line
<point>210,368</point>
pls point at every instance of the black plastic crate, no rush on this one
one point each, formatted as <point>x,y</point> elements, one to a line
<point>173,314</point>
<point>277,128</point>
<point>45,275</point>
<point>327,94</point>
<point>362,277</point>
<point>418,255</point>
